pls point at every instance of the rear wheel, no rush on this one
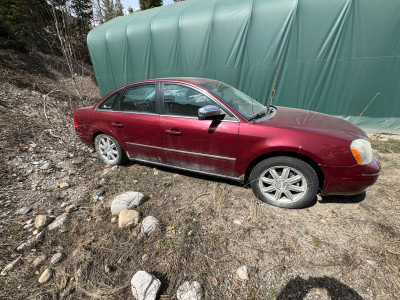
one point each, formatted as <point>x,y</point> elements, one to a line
<point>284,182</point>
<point>108,149</point>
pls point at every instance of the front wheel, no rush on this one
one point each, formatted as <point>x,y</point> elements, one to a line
<point>284,182</point>
<point>108,149</point>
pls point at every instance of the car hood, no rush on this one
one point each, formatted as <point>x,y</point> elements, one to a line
<point>305,120</point>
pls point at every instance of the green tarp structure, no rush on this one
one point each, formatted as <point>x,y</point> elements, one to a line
<point>331,56</point>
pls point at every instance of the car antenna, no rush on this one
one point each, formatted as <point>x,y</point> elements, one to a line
<point>273,89</point>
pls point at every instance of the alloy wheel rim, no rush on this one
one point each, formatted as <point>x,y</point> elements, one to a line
<point>283,184</point>
<point>108,150</point>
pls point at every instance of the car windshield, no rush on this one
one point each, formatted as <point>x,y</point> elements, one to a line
<point>244,105</point>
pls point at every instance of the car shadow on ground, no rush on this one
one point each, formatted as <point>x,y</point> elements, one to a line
<point>344,199</point>
<point>298,288</point>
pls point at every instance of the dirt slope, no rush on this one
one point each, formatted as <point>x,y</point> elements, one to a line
<point>338,248</point>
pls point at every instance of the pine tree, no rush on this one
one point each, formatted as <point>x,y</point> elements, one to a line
<point>108,10</point>
<point>118,8</point>
<point>84,14</point>
<point>147,4</point>
<point>130,10</point>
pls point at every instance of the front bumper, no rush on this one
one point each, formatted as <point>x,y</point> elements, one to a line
<point>349,180</point>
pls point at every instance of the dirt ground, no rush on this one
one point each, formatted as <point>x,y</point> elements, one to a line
<point>337,248</point>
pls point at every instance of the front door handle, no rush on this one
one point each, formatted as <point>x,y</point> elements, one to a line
<point>117,124</point>
<point>173,132</point>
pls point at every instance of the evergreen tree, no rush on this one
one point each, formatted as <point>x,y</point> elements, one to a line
<point>84,14</point>
<point>108,10</point>
<point>147,4</point>
<point>118,8</point>
<point>130,10</point>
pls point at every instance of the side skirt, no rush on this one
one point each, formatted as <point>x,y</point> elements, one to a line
<point>238,179</point>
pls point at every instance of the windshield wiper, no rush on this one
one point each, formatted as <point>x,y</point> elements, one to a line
<point>258,115</point>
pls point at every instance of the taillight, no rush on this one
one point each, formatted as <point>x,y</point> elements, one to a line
<point>76,124</point>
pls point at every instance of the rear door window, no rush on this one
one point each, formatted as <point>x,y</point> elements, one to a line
<point>139,99</point>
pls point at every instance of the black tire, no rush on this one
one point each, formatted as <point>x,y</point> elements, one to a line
<point>277,179</point>
<point>108,150</point>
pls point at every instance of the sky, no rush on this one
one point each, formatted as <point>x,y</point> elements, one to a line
<point>135,3</point>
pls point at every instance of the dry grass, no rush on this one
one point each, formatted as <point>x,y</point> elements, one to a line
<point>344,248</point>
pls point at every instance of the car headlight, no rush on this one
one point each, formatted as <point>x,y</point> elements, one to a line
<point>362,151</point>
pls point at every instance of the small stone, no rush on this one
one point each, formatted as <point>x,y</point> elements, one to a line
<point>36,231</point>
<point>31,242</point>
<point>29,226</point>
<point>128,217</point>
<point>242,273</point>
<point>135,181</point>
<point>42,221</point>
<point>190,290</point>
<point>24,210</point>
<point>46,166</point>
<point>46,275</point>
<point>39,260</point>
<point>3,273</point>
<point>64,204</point>
<point>57,258</point>
<point>237,222</point>
<point>113,219</point>
<point>156,172</point>
<point>126,200</point>
<point>63,185</point>
<point>149,225</point>
<point>59,222</point>
<point>30,221</point>
<point>99,193</point>
<point>145,257</point>
<point>144,286</point>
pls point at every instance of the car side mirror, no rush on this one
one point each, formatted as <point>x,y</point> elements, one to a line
<point>209,112</point>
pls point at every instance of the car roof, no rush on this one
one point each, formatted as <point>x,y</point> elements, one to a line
<point>194,80</point>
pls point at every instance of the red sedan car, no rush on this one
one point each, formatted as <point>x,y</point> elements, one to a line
<point>286,155</point>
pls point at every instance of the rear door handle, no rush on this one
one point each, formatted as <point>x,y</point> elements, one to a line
<point>117,124</point>
<point>173,132</point>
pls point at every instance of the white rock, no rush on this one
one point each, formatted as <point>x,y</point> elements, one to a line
<point>59,222</point>
<point>149,224</point>
<point>24,210</point>
<point>31,242</point>
<point>126,200</point>
<point>46,275</point>
<point>237,222</point>
<point>39,260</point>
<point>57,258</point>
<point>190,290</point>
<point>29,226</point>
<point>144,286</point>
<point>128,217</point>
<point>42,221</point>
<point>242,273</point>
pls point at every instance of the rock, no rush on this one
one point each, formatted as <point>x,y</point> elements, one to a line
<point>24,210</point>
<point>99,193</point>
<point>11,266</point>
<point>128,217</point>
<point>242,273</point>
<point>190,290</point>
<point>59,222</point>
<point>63,185</point>
<point>145,257</point>
<point>46,275</point>
<point>29,226</point>
<point>149,224</point>
<point>126,200</point>
<point>144,286</point>
<point>113,219</point>
<point>38,261</point>
<point>57,258</point>
<point>46,166</point>
<point>42,221</point>
<point>36,231</point>
<point>30,221</point>
<point>31,242</point>
<point>237,222</point>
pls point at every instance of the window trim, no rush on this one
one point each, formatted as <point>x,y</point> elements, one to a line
<point>198,89</point>
<point>117,107</point>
